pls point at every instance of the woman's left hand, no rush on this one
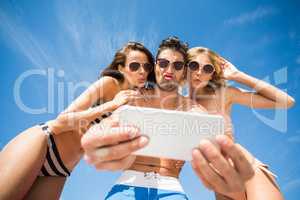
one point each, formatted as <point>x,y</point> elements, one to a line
<point>229,70</point>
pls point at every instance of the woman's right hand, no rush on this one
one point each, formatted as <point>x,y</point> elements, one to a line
<point>230,72</point>
<point>126,96</point>
<point>109,146</point>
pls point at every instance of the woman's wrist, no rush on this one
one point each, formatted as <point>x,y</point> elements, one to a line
<point>236,76</point>
<point>116,104</point>
<point>54,126</point>
<point>237,196</point>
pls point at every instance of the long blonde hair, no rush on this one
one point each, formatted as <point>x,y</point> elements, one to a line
<point>217,80</point>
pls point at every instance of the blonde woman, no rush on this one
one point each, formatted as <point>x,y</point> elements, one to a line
<point>206,76</point>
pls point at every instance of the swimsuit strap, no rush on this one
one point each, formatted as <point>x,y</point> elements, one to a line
<point>53,164</point>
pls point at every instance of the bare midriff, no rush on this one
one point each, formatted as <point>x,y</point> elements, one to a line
<point>162,166</point>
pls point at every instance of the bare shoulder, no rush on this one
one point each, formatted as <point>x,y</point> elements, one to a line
<point>108,82</point>
<point>232,89</point>
<point>233,92</point>
<point>228,93</point>
<point>107,87</point>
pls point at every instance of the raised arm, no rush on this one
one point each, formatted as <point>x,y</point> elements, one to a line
<point>265,95</point>
<point>79,121</point>
<point>105,89</point>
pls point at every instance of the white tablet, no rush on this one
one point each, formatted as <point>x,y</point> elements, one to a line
<point>173,134</point>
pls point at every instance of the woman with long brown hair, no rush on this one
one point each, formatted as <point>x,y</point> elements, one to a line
<point>53,149</point>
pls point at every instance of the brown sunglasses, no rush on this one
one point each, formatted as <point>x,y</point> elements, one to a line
<point>164,63</point>
<point>135,66</point>
<point>207,69</point>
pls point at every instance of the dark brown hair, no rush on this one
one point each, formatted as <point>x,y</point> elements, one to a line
<point>120,59</point>
<point>175,44</point>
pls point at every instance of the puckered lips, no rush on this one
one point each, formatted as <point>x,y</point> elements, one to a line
<point>197,80</point>
<point>168,76</point>
<point>141,80</point>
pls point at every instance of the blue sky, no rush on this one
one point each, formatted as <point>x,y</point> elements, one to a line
<point>75,39</point>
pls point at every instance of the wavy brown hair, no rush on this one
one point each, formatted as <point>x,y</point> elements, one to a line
<point>120,59</point>
<point>175,44</point>
<point>217,80</point>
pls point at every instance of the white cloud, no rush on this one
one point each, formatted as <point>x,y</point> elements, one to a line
<point>291,185</point>
<point>84,38</point>
<point>252,16</point>
<point>83,43</point>
<point>21,39</point>
<point>96,37</point>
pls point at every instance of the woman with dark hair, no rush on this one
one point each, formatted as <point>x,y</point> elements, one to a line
<point>131,68</point>
<point>115,71</point>
<point>55,146</point>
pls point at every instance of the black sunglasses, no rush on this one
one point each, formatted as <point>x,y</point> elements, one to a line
<point>164,63</point>
<point>208,68</point>
<point>134,66</point>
